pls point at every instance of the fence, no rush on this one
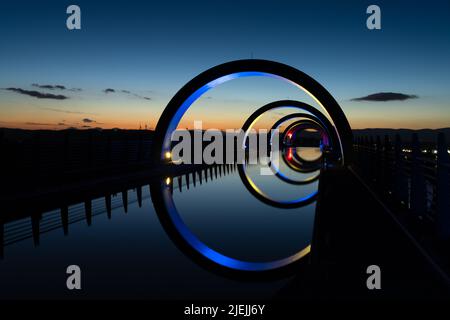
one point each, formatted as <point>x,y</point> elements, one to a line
<point>38,223</point>
<point>410,176</point>
<point>55,157</point>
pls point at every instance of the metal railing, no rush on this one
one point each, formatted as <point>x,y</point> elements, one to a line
<point>410,176</point>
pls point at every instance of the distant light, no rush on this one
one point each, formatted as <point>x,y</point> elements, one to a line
<point>290,135</point>
<point>435,151</point>
<point>168,155</point>
<point>168,181</point>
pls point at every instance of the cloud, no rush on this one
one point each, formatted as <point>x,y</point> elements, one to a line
<point>38,124</point>
<point>49,86</point>
<point>128,92</point>
<point>142,97</point>
<point>37,94</point>
<point>87,120</point>
<point>386,96</point>
<point>65,111</point>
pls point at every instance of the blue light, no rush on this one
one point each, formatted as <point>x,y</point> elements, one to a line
<point>197,94</point>
<point>179,224</point>
<point>215,256</point>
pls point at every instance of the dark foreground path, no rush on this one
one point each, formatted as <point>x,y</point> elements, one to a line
<point>353,231</point>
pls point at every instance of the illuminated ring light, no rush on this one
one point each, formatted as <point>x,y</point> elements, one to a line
<point>307,169</point>
<point>174,112</point>
<point>253,188</point>
<point>325,124</point>
<point>316,116</point>
<point>294,128</point>
<point>313,111</point>
<point>333,131</point>
<point>302,164</point>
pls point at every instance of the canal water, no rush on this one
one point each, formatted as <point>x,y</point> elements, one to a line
<point>130,255</point>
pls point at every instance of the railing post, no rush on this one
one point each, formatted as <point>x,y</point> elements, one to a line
<point>90,148</point>
<point>418,195</point>
<point>139,196</point>
<point>187,181</point>
<point>386,172</point>
<point>378,163</point>
<point>66,155</point>
<point>88,211</point>
<point>140,155</point>
<point>371,160</point>
<point>400,181</point>
<point>360,152</point>
<point>443,189</point>
<point>108,149</point>
<point>65,219</point>
<point>36,149</point>
<point>200,176</point>
<point>108,205</point>
<point>2,238</point>
<point>35,228</point>
<point>125,200</point>
<point>180,182</point>
<point>194,178</point>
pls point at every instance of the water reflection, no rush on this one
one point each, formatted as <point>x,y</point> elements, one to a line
<point>213,204</point>
<point>118,242</point>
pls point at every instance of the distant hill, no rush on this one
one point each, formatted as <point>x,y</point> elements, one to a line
<point>425,135</point>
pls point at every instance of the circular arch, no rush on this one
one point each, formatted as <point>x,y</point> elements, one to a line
<point>320,117</point>
<point>210,78</point>
<point>300,125</point>
<point>188,94</point>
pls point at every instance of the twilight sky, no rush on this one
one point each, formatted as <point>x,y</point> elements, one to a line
<point>131,57</point>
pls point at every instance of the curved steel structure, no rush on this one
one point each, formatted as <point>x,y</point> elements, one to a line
<point>215,76</point>
<point>173,113</point>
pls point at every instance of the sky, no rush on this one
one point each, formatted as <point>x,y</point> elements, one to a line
<point>130,57</point>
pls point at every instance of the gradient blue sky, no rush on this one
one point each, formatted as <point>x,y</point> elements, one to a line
<point>152,48</point>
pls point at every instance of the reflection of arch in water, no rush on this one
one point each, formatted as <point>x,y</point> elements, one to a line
<point>189,243</point>
<point>263,197</point>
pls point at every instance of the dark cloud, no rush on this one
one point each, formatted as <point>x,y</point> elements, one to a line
<point>386,96</point>
<point>76,89</point>
<point>37,94</point>
<point>65,111</point>
<point>143,97</point>
<point>87,120</point>
<point>86,126</point>
<point>38,124</point>
<point>128,92</point>
<point>61,124</point>
<point>49,86</point>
